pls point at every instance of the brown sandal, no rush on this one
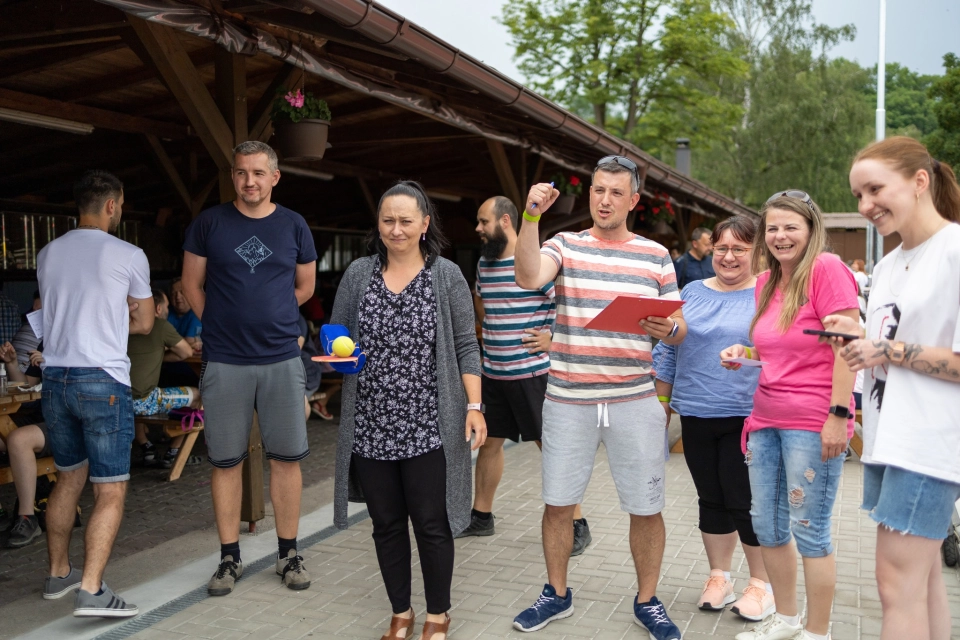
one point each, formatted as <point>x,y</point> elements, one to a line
<point>400,624</point>
<point>431,628</point>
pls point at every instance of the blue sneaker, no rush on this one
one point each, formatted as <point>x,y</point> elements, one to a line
<point>548,607</point>
<point>653,617</point>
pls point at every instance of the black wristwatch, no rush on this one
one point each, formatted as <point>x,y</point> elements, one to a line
<point>839,411</point>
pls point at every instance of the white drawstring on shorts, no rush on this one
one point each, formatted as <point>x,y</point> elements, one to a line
<point>603,415</point>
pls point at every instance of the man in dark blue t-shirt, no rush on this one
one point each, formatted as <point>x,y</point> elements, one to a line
<point>697,263</point>
<point>248,265</point>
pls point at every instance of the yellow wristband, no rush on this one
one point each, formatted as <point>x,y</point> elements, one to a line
<point>663,398</point>
<point>748,352</point>
<point>530,218</point>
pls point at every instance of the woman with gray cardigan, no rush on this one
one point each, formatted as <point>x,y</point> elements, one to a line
<point>407,417</point>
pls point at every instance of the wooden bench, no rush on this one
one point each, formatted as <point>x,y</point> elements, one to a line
<point>856,442</point>
<point>173,428</point>
<point>10,404</point>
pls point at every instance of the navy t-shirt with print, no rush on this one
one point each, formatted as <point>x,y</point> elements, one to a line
<point>251,311</point>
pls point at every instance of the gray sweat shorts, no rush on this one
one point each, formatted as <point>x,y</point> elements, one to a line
<point>231,393</point>
<point>633,434</point>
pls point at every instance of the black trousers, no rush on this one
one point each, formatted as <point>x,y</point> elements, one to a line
<point>711,447</point>
<point>415,488</point>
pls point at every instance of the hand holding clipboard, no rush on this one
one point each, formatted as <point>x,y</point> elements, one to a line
<point>629,314</point>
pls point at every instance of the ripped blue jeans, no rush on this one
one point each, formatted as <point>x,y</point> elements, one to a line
<point>793,491</point>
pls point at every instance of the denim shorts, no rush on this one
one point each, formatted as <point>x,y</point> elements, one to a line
<point>909,502</point>
<point>793,491</point>
<point>89,416</point>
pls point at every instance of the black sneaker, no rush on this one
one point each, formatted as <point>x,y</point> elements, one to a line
<point>25,530</point>
<point>581,536</point>
<point>149,453</point>
<point>169,458</point>
<point>478,527</point>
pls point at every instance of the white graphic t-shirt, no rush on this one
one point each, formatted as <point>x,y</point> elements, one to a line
<point>912,420</point>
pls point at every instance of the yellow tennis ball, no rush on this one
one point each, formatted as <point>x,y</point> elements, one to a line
<point>343,347</point>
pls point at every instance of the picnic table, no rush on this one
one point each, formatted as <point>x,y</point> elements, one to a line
<point>10,403</point>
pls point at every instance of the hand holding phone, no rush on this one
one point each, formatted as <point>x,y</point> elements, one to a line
<point>830,334</point>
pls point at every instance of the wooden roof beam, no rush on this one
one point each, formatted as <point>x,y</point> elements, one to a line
<point>508,182</point>
<point>260,126</point>
<point>35,62</point>
<point>101,118</point>
<point>181,77</point>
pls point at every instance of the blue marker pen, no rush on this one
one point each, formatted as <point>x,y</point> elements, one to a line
<point>534,205</point>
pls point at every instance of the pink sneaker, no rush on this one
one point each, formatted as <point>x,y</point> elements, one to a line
<point>717,592</point>
<point>756,603</point>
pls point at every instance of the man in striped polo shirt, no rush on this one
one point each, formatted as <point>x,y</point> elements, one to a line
<point>517,326</point>
<point>600,386</point>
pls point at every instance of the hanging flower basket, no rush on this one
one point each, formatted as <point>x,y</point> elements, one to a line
<point>301,124</point>
<point>564,204</point>
<point>570,189</point>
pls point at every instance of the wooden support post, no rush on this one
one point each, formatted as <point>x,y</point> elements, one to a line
<point>507,180</point>
<point>166,52</point>
<point>260,126</point>
<point>231,90</point>
<point>252,506</point>
<point>368,196</point>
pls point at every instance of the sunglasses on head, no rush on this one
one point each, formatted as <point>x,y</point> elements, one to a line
<point>799,195</point>
<point>626,163</point>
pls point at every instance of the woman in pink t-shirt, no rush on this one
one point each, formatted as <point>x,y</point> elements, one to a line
<point>796,437</point>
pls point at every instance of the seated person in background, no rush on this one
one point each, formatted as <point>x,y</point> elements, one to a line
<point>182,317</point>
<point>25,339</point>
<point>308,349</point>
<point>147,353</point>
<point>24,445</point>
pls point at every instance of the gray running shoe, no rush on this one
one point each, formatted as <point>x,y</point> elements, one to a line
<point>581,536</point>
<point>25,530</point>
<point>54,587</point>
<point>226,575</point>
<point>106,605</point>
<point>292,571</point>
<point>478,527</point>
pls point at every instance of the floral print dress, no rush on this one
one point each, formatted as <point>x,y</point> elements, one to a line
<point>397,413</point>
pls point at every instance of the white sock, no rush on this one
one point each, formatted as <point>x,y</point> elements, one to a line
<point>807,635</point>
<point>769,587</point>
<point>790,620</point>
<point>726,576</point>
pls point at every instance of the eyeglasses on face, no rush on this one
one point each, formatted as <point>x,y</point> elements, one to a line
<point>738,252</point>
<point>799,195</point>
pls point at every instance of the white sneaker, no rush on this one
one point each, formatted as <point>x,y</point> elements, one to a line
<point>773,628</point>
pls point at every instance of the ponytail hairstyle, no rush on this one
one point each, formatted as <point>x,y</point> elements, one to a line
<point>908,156</point>
<point>435,241</point>
<point>795,295</point>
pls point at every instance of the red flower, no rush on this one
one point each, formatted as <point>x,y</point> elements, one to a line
<point>574,181</point>
<point>656,209</point>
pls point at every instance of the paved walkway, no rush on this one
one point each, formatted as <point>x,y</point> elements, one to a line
<point>496,577</point>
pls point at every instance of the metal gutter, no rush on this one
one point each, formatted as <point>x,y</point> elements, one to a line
<point>388,29</point>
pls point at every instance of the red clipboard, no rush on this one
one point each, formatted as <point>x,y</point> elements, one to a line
<point>623,315</point>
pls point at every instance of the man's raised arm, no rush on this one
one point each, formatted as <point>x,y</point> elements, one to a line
<point>533,270</point>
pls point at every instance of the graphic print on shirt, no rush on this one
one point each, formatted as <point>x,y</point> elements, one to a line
<point>253,252</point>
<point>889,319</point>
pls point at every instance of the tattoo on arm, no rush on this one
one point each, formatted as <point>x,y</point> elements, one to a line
<point>883,349</point>
<point>939,368</point>
<point>911,352</point>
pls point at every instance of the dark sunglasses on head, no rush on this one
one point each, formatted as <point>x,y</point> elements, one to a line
<point>627,163</point>
<point>799,195</point>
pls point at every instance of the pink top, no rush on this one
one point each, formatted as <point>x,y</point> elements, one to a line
<point>796,383</point>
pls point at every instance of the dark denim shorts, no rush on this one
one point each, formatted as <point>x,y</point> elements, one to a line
<point>89,416</point>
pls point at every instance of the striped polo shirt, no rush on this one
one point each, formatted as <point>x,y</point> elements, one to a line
<point>589,366</point>
<point>508,310</point>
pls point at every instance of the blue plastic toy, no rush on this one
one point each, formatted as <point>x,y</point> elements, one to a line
<point>329,333</point>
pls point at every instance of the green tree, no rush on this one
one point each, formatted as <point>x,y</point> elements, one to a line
<point>944,142</point>
<point>638,68</point>
<point>909,109</point>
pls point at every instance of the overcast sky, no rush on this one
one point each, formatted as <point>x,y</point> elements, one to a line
<point>919,32</point>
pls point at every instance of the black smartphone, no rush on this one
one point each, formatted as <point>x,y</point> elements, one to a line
<point>830,334</point>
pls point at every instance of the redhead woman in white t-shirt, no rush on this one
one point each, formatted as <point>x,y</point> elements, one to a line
<point>911,359</point>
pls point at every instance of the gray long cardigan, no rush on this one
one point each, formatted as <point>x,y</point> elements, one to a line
<point>457,353</point>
